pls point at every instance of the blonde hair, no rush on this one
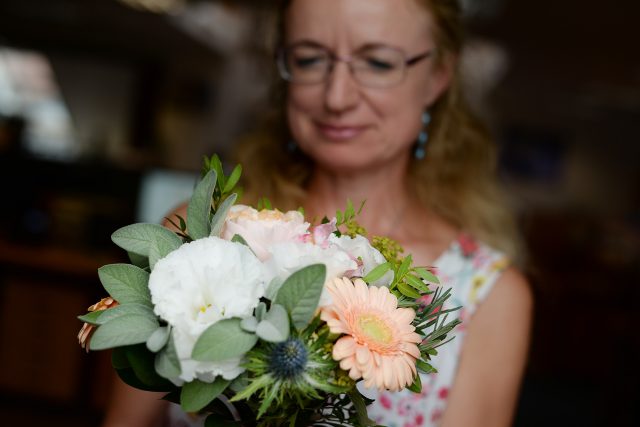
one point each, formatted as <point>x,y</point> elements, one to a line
<point>456,180</point>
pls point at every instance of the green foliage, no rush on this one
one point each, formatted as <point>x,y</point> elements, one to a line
<point>300,293</point>
<point>139,238</point>
<point>217,223</point>
<point>200,205</point>
<point>158,339</point>
<point>134,365</point>
<point>377,273</point>
<point>275,325</point>
<point>223,340</point>
<point>122,331</point>
<point>196,395</point>
<point>126,283</point>
<point>125,309</point>
<point>167,363</point>
<point>264,203</point>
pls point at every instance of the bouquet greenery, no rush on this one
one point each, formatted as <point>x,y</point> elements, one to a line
<point>255,317</point>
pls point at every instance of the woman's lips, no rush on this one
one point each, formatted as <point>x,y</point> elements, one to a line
<point>339,132</point>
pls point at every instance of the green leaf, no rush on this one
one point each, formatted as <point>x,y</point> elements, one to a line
<point>138,238</point>
<point>416,386</point>
<point>404,267</point>
<point>377,273</point>
<point>196,394</point>
<point>141,261</point>
<point>216,165</point>
<point>123,309</point>
<point>249,324</point>
<point>162,245</point>
<point>275,325</point>
<point>408,291</point>
<point>119,358</point>
<point>239,239</point>
<point>223,340</point>
<point>91,317</point>
<point>167,363</point>
<point>158,339</point>
<point>416,283</point>
<point>424,367</point>
<point>427,276</point>
<point>142,363</point>
<point>361,408</point>
<point>134,365</point>
<point>233,179</point>
<point>126,283</point>
<point>300,293</point>
<point>221,214</point>
<point>198,222</point>
<point>124,330</point>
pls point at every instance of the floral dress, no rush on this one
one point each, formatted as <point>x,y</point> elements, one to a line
<point>470,268</point>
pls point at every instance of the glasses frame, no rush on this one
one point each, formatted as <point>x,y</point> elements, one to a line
<point>281,55</point>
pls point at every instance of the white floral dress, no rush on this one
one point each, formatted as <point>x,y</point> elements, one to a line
<point>470,269</point>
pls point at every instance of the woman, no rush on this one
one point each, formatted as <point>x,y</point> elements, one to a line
<point>371,111</point>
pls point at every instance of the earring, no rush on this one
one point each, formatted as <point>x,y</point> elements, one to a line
<point>423,137</point>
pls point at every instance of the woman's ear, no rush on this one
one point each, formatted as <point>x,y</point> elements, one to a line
<point>440,79</point>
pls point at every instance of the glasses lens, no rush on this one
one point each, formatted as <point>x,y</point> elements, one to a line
<point>305,64</point>
<point>379,66</point>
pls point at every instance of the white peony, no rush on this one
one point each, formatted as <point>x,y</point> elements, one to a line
<point>360,248</point>
<point>199,284</point>
<point>262,229</point>
<point>290,257</point>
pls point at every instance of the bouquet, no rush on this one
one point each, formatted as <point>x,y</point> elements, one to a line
<point>256,317</point>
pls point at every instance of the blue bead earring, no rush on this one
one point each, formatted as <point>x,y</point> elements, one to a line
<point>423,137</point>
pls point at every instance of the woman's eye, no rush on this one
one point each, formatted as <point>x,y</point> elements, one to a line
<point>307,61</point>
<point>379,65</point>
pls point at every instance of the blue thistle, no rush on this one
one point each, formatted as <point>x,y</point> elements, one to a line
<point>288,359</point>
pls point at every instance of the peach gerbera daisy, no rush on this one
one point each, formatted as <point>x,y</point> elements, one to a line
<point>379,343</point>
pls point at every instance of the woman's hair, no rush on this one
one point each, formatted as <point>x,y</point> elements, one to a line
<point>456,179</point>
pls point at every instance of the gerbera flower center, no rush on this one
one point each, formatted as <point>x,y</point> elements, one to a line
<point>288,359</point>
<point>375,329</point>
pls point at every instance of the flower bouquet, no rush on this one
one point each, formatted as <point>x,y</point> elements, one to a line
<point>257,318</point>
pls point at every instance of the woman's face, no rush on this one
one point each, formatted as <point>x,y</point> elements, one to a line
<point>340,123</point>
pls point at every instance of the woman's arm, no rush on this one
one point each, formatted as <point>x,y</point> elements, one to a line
<point>130,407</point>
<point>493,357</point>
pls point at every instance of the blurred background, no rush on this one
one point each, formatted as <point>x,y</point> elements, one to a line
<point>107,107</point>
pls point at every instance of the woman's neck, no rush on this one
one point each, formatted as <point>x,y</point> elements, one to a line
<point>385,191</point>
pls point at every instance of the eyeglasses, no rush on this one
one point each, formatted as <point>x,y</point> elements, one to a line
<point>374,66</point>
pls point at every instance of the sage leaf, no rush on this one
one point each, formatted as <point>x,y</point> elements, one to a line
<point>167,362</point>
<point>300,293</point>
<point>126,283</point>
<point>124,330</point>
<point>223,340</point>
<point>158,339</point>
<point>123,309</point>
<point>199,208</point>
<point>275,325</point>
<point>217,223</point>
<point>138,238</point>
<point>196,394</point>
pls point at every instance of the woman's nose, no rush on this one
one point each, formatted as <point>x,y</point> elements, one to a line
<point>342,92</point>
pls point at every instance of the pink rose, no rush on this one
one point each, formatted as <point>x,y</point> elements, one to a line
<point>262,229</point>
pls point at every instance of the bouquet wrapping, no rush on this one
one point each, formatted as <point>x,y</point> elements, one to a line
<point>258,317</point>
